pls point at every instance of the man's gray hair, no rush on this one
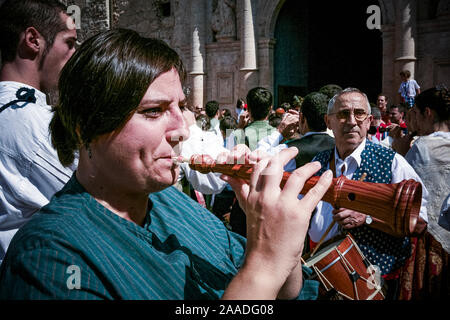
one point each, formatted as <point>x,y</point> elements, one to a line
<point>347,90</point>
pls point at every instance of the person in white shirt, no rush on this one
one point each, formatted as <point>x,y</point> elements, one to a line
<point>201,142</point>
<point>34,51</point>
<point>349,117</point>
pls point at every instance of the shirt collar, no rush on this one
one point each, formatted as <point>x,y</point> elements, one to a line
<point>355,155</point>
<point>313,132</point>
<point>41,98</point>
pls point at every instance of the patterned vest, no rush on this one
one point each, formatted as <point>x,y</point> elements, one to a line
<point>387,252</point>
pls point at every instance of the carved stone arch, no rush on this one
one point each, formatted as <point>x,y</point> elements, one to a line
<point>387,12</point>
<point>269,14</point>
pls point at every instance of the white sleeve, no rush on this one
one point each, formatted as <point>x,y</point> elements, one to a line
<point>271,143</point>
<point>321,220</point>
<point>402,170</point>
<point>209,183</point>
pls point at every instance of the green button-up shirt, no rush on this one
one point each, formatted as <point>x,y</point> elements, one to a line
<point>74,248</point>
<point>253,133</point>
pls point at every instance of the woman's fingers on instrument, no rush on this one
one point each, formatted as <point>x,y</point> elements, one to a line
<point>256,182</point>
<point>222,157</point>
<point>257,156</point>
<point>238,155</point>
<point>298,177</point>
<point>273,172</point>
<point>316,193</point>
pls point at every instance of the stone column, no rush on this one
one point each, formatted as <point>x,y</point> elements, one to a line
<point>389,80</point>
<point>249,70</point>
<point>266,61</point>
<point>406,35</point>
<point>198,52</point>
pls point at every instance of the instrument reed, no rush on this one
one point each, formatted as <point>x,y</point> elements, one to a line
<point>393,207</point>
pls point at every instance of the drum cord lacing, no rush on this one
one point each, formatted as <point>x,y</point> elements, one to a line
<point>353,275</point>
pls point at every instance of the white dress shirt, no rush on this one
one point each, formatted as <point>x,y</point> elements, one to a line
<point>202,142</point>
<point>30,172</point>
<point>215,127</point>
<point>400,169</point>
<point>271,143</point>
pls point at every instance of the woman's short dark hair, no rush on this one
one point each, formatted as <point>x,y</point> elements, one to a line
<point>17,16</point>
<point>437,99</point>
<point>102,84</point>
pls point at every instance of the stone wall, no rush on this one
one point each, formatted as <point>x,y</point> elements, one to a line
<point>214,38</point>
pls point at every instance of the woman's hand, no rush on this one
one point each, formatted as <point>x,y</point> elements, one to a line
<point>277,222</point>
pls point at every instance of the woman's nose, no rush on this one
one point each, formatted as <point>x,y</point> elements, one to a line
<point>178,130</point>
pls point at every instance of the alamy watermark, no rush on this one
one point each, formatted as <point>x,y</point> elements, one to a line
<point>374,281</point>
<point>74,280</point>
<point>374,20</point>
<point>74,12</point>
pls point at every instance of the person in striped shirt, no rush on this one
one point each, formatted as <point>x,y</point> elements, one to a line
<point>119,229</point>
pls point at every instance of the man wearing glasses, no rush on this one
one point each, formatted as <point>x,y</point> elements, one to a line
<point>349,117</point>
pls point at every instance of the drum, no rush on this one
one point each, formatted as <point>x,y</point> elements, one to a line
<point>344,271</point>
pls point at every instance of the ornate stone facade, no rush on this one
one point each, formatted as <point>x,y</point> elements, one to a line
<point>228,45</point>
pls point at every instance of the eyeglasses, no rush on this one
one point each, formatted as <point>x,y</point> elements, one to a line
<point>359,114</point>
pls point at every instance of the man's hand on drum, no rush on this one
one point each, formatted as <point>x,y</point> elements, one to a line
<point>348,219</point>
<point>277,222</point>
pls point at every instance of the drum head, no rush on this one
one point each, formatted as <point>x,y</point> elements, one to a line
<point>327,247</point>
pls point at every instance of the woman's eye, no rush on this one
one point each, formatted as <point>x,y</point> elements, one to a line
<point>152,112</point>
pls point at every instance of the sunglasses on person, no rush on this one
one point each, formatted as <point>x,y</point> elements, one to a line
<point>359,114</point>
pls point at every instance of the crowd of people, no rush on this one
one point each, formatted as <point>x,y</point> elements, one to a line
<point>91,183</point>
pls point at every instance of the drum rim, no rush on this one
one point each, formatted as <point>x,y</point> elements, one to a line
<point>327,247</point>
<point>337,258</point>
